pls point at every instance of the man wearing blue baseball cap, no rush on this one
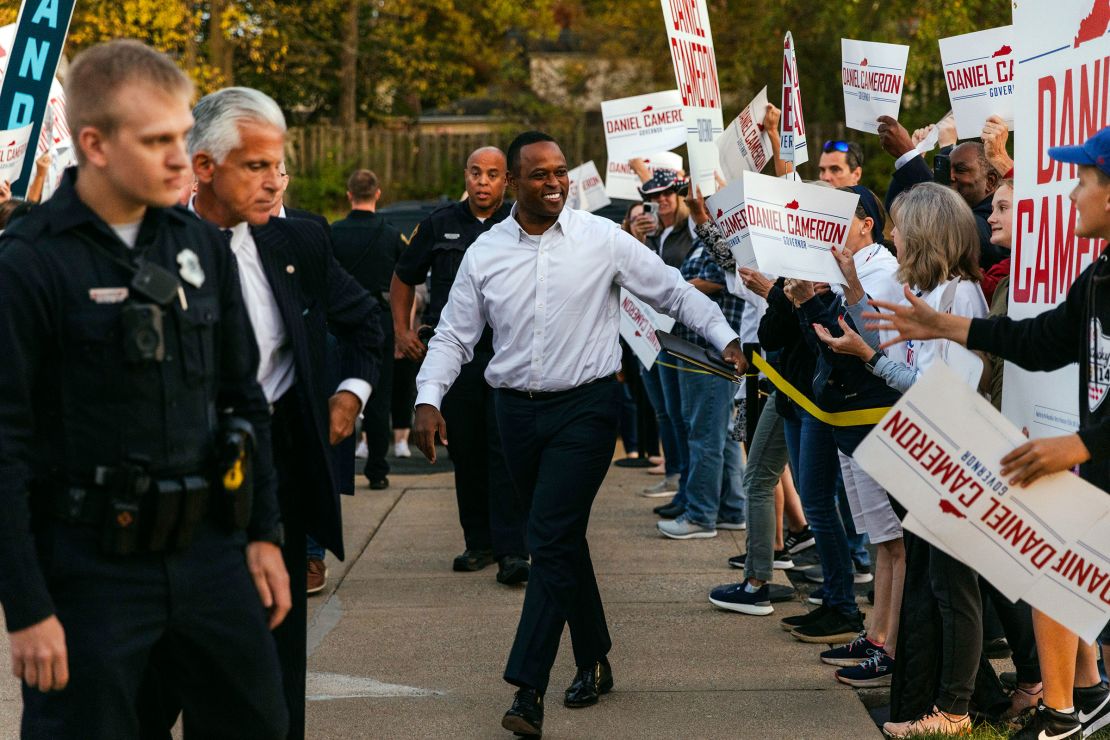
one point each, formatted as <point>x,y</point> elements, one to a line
<point>1076,703</point>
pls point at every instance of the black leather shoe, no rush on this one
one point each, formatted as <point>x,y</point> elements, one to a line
<point>589,684</point>
<point>379,484</point>
<point>512,569</point>
<point>472,560</point>
<point>525,716</point>
<point>668,511</point>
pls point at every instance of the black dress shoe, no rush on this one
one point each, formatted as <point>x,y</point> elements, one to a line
<point>379,484</point>
<point>472,560</point>
<point>512,569</point>
<point>669,511</point>
<point>589,684</point>
<point>525,716</point>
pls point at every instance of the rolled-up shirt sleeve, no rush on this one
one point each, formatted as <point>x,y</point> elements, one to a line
<point>460,327</point>
<point>664,289</point>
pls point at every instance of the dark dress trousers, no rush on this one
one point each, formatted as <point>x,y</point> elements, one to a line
<point>367,246</point>
<point>490,515</point>
<point>315,296</point>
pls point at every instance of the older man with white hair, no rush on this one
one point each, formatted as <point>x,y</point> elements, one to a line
<point>295,293</point>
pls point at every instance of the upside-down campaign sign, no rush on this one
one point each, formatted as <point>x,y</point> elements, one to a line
<point>726,208</point>
<point>794,226</point>
<point>695,69</point>
<point>792,125</point>
<point>587,191</point>
<point>55,134</point>
<point>938,450</point>
<point>643,124</point>
<point>639,322</point>
<point>25,93</point>
<point>745,145</point>
<point>623,183</point>
<point>873,74</point>
<point>13,145</point>
<point>979,73</point>
<point>1060,99</point>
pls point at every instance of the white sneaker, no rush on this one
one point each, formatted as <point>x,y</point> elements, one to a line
<point>683,529</point>
<point>401,449</point>
<point>363,451</point>
<point>666,487</point>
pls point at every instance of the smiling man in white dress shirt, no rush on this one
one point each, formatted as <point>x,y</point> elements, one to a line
<point>547,280</point>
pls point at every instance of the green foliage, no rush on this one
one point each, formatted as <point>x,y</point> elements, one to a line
<point>415,55</point>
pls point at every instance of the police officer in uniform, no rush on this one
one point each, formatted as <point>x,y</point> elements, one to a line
<point>128,413</point>
<point>491,517</point>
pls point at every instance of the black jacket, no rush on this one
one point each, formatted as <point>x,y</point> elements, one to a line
<point>70,402</point>
<point>307,216</point>
<point>367,246</point>
<point>1057,338</point>
<point>779,331</point>
<point>840,382</point>
<point>678,244</point>
<point>916,171</point>
<point>317,296</point>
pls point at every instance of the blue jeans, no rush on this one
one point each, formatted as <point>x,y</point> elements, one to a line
<point>815,464</point>
<point>766,460</point>
<point>672,399</point>
<point>314,549</point>
<point>710,494</point>
<point>857,543</point>
<point>672,451</point>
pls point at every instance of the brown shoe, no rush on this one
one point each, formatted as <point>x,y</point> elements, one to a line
<point>317,576</point>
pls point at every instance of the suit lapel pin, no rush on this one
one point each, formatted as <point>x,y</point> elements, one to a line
<point>290,269</point>
<point>191,271</point>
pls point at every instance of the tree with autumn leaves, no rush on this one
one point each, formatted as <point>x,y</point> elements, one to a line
<point>371,61</point>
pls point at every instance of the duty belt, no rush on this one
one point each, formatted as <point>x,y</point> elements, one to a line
<point>162,517</point>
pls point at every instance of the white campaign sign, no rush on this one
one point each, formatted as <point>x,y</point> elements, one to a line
<point>587,191</point>
<point>13,147</point>
<point>873,74</point>
<point>726,208</point>
<point>644,124</point>
<point>1060,48</point>
<point>793,226</point>
<point>55,134</point>
<point>623,184</point>
<point>938,450</point>
<point>979,73</point>
<point>745,145</point>
<point>792,125</point>
<point>695,69</point>
<point>639,322</point>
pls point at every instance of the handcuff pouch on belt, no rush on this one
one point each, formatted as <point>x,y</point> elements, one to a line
<point>234,483</point>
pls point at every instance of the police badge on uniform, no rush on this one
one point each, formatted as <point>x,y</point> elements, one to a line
<point>191,271</point>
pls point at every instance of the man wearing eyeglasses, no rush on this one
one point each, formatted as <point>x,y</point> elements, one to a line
<point>841,163</point>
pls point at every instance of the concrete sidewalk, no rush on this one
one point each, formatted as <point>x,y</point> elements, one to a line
<point>401,647</point>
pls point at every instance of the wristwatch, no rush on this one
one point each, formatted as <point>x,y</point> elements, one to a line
<point>874,360</point>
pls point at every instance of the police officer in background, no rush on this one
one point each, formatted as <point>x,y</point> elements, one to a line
<point>491,518</point>
<point>127,403</point>
<point>367,246</point>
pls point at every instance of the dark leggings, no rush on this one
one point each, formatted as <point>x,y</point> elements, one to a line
<point>956,589</point>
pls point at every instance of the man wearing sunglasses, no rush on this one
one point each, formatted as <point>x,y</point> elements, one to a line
<point>841,163</point>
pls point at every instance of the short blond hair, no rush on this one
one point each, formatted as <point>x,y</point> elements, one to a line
<point>940,238</point>
<point>99,72</point>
